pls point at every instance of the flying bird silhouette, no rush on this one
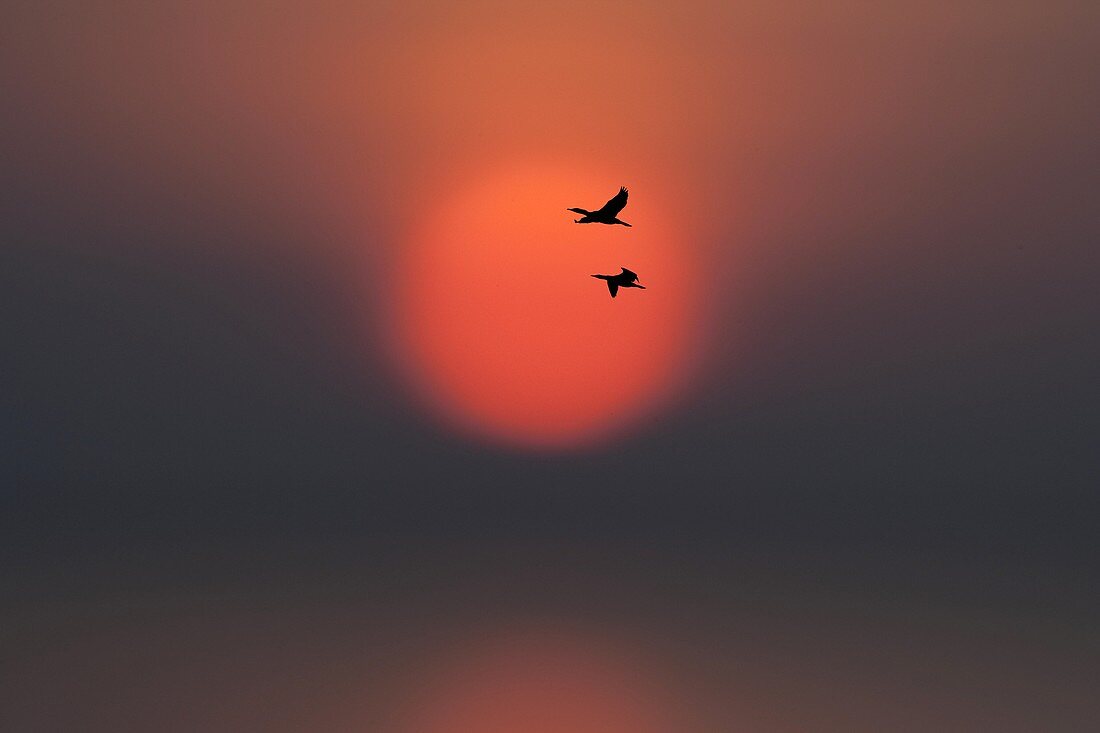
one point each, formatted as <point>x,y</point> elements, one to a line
<point>625,279</point>
<point>606,215</point>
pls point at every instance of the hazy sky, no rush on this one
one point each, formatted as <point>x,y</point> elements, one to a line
<point>838,465</point>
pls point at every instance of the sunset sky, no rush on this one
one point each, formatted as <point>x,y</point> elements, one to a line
<point>314,419</point>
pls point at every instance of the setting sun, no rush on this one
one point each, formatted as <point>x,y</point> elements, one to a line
<point>502,330</point>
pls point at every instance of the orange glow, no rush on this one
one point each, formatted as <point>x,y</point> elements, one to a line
<point>505,334</point>
<point>540,684</point>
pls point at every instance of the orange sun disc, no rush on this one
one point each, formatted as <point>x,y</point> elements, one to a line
<point>504,333</point>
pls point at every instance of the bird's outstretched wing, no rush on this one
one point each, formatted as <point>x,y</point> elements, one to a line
<point>630,276</point>
<point>613,287</point>
<point>615,204</point>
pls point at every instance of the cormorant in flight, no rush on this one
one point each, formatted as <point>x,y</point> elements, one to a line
<point>606,215</point>
<point>625,279</point>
